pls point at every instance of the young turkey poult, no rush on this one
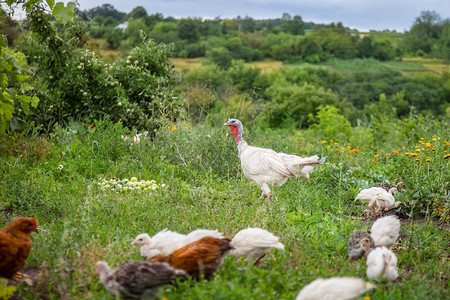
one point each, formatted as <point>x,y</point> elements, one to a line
<point>359,244</point>
<point>254,243</point>
<point>265,166</point>
<point>164,242</point>
<point>384,200</point>
<point>382,262</point>
<point>137,279</point>
<point>385,231</point>
<point>335,288</point>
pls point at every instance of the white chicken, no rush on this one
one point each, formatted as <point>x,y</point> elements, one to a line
<point>265,166</point>
<point>254,242</point>
<point>382,262</point>
<point>164,242</point>
<point>336,288</point>
<point>385,231</point>
<point>384,200</point>
<point>201,233</point>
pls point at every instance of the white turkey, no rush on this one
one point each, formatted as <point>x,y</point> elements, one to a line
<point>336,288</point>
<point>201,233</point>
<point>265,166</point>
<point>382,262</point>
<point>137,279</point>
<point>385,231</point>
<point>384,200</point>
<point>164,242</point>
<point>254,242</point>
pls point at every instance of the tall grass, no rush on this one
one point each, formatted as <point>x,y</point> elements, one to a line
<point>205,188</point>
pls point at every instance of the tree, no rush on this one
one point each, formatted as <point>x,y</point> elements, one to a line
<point>17,97</point>
<point>137,13</point>
<point>106,10</point>
<point>188,29</point>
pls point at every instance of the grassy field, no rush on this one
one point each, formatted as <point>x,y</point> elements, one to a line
<point>205,188</point>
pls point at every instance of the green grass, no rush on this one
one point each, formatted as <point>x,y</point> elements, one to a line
<point>205,188</point>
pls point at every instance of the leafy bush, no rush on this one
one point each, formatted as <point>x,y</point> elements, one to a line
<point>330,124</point>
<point>294,104</point>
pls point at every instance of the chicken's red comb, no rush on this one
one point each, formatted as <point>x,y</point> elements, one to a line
<point>34,222</point>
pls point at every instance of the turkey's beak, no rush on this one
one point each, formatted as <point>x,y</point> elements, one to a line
<point>226,124</point>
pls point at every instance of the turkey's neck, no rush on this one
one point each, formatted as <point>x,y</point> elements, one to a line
<point>237,134</point>
<point>242,145</point>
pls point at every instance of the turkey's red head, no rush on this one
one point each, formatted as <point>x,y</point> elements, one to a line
<point>236,129</point>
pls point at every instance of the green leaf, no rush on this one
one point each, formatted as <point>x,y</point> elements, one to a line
<point>2,42</point>
<point>62,13</point>
<point>16,123</point>
<point>50,3</point>
<point>10,2</point>
<point>34,101</point>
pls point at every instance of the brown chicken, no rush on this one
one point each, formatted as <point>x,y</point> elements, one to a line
<point>15,245</point>
<point>200,257</point>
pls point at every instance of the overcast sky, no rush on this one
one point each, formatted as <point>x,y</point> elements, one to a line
<point>360,14</point>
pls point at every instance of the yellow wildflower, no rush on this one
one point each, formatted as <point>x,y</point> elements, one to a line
<point>418,150</point>
<point>336,143</point>
<point>355,150</point>
<point>375,155</point>
<point>373,160</point>
<point>395,151</point>
<point>447,143</point>
<point>428,145</point>
<point>388,154</point>
<point>328,147</point>
<point>366,298</point>
<point>336,149</point>
<point>428,159</point>
<point>446,156</point>
<point>433,139</point>
<point>413,154</point>
<point>403,147</point>
<point>323,142</point>
<point>331,141</point>
<point>433,148</point>
<point>439,138</point>
<point>417,159</point>
<point>379,153</point>
<point>349,147</point>
<point>422,138</point>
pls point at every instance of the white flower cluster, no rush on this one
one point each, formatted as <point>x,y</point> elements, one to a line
<point>130,185</point>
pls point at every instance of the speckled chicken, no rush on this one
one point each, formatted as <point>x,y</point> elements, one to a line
<point>137,279</point>
<point>254,243</point>
<point>382,262</point>
<point>385,231</point>
<point>335,288</point>
<point>203,256</point>
<point>359,244</point>
<point>388,186</point>
<point>164,242</point>
<point>15,245</point>
<point>265,166</point>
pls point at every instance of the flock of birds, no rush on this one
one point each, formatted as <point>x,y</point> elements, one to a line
<point>171,255</point>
